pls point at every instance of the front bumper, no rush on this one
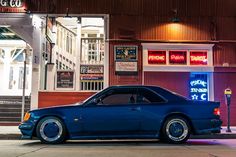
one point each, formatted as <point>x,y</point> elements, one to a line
<point>27,129</point>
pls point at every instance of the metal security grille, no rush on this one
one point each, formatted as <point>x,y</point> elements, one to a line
<point>91,85</point>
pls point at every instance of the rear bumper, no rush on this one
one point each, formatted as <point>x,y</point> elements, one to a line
<point>207,126</point>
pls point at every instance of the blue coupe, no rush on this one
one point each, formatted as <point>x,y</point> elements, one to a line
<point>125,112</point>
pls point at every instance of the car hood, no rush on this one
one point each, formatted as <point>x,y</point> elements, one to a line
<point>61,107</point>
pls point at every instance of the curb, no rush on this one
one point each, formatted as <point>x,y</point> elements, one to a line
<point>10,136</point>
<point>213,136</point>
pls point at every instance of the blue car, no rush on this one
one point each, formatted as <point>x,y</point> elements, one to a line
<point>124,112</point>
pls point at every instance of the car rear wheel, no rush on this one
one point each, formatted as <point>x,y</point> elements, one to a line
<point>176,130</point>
<point>51,130</point>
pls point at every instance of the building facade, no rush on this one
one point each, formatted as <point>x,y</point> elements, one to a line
<point>188,47</point>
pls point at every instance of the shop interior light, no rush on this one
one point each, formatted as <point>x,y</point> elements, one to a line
<point>5,26</point>
<point>8,34</point>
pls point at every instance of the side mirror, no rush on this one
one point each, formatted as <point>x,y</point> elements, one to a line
<point>95,100</point>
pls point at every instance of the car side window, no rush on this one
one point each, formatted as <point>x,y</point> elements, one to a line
<point>147,96</point>
<point>119,97</point>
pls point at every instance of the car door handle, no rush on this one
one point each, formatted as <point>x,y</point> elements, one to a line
<point>135,108</point>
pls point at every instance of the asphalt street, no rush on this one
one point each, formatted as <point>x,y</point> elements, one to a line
<point>193,148</point>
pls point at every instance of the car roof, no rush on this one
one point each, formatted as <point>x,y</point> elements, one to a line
<point>168,94</point>
<point>148,86</point>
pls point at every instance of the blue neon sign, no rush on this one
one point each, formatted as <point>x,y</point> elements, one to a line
<point>198,87</point>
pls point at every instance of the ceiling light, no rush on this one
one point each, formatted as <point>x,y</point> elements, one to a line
<point>8,34</point>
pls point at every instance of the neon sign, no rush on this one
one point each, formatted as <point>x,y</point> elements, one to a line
<point>177,57</point>
<point>198,87</point>
<point>198,58</point>
<point>156,57</point>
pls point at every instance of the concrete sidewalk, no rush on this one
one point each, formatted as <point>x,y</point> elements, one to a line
<point>12,132</point>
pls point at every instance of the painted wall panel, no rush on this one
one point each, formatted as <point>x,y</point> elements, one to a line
<point>174,81</point>
<point>115,79</point>
<point>47,99</point>
<point>223,80</point>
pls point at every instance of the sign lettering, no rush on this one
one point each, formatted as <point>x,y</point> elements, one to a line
<point>198,58</point>
<point>11,3</point>
<point>177,57</point>
<point>156,57</point>
<point>198,87</point>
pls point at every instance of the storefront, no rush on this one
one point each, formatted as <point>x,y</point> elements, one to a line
<point>81,47</point>
<point>15,60</point>
<point>186,69</point>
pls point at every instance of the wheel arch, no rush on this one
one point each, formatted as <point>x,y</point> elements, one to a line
<point>50,115</point>
<point>178,114</point>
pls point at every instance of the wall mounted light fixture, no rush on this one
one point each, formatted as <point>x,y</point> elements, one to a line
<point>67,13</point>
<point>175,18</point>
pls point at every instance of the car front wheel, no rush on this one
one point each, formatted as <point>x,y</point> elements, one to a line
<point>176,130</point>
<point>51,130</point>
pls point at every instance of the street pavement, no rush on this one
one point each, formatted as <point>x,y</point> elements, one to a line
<point>144,148</point>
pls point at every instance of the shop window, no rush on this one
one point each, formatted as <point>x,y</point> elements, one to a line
<point>92,50</point>
<point>198,58</point>
<point>2,53</point>
<point>60,65</point>
<point>92,35</point>
<point>57,66</point>
<point>199,87</point>
<point>11,81</point>
<point>92,57</point>
<point>21,75</point>
<point>178,57</point>
<point>156,57</point>
<point>67,43</point>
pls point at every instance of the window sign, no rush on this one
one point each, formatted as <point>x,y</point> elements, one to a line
<point>126,53</point>
<point>177,57</point>
<point>91,69</point>
<point>199,87</point>
<point>65,79</point>
<point>198,58</point>
<point>126,59</point>
<point>156,57</point>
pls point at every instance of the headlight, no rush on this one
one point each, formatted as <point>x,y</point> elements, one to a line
<point>27,116</point>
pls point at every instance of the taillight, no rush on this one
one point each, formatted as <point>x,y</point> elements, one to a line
<point>216,111</point>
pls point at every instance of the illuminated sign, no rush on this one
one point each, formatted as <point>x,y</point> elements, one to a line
<point>198,58</point>
<point>198,87</point>
<point>156,57</point>
<point>177,57</point>
<point>12,5</point>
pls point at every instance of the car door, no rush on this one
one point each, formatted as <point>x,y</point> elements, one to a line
<point>152,109</point>
<point>115,113</point>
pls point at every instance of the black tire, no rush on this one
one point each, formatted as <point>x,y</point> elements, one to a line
<point>175,130</point>
<point>51,130</point>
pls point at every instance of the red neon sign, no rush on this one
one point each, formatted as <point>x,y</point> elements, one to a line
<point>198,58</point>
<point>177,57</point>
<point>156,57</point>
